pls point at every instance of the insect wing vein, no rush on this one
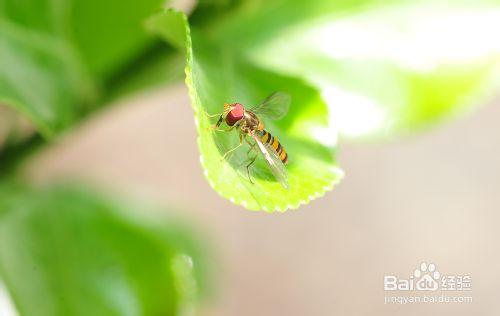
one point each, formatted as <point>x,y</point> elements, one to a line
<point>274,162</point>
<point>274,106</point>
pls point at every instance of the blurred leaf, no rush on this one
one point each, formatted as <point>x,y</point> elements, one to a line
<point>158,68</point>
<point>58,59</point>
<point>110,33</point>
<point>107,34</point>
<point>14,128</point>
<point>66,251</point>
<point>47,17</point>
<point>385,67</point>
<point>40,77</point>
<point>214,76</point>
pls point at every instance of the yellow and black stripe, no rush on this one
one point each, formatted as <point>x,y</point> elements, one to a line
<point>269,139</point>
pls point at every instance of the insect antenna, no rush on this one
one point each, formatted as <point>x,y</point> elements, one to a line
<point>219,122</point>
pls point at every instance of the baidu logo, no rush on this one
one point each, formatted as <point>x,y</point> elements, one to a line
<point>427,278</point>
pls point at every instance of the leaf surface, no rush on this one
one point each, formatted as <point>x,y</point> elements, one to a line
<point>60,59</point>
<point>68,251</point>
<point>216,75</point>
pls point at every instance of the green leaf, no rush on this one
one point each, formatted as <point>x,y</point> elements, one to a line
<point>40,78</point>
<point>106,34</point>
<point>385,67</point>
<point>110,33</point>
<point>159,68</point>
<point>66,251</point>
<point>60,59</point>
<point>215,74</point>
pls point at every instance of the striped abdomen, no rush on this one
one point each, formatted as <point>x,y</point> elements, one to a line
<point>272,141</point>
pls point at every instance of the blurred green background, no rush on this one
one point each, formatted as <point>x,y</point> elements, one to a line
<point>99,167</point>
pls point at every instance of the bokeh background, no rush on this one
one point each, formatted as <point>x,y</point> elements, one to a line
<point>432,196</point>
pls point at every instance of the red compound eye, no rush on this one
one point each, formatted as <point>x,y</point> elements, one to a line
<point>235,114</point>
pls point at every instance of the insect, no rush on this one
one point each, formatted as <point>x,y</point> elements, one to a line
<point>251,129</point>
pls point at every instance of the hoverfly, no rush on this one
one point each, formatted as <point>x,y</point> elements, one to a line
<point>251,129</point>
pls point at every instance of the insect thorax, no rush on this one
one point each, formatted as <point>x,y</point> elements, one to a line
<point>252,121</point>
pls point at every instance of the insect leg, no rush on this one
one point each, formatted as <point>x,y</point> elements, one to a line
<point>215,128</point>
<point>248,168</point>
<point>220,115</point>
<point>213,115</point>
<point>232,150</point>
<point>252,146</point>
<point>219,122</point>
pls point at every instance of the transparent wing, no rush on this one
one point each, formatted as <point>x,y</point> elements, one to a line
<point>274,106</point>
<point>274,162</point>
